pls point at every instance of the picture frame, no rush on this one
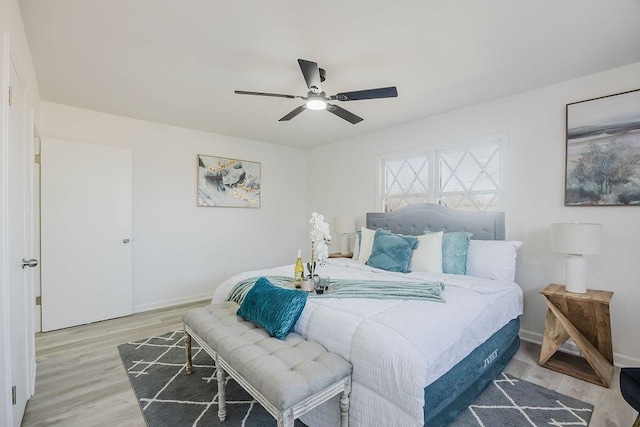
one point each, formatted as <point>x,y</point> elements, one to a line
<point>226,182</point>
<point>602,158</point>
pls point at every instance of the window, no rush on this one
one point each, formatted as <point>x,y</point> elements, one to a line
<point>470,178</point>
<point>406,182</point>
<point>463,176</point>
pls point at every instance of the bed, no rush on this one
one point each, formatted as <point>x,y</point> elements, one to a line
<point>416,362</point>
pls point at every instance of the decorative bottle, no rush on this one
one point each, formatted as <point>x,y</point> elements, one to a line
<point>298,272</point>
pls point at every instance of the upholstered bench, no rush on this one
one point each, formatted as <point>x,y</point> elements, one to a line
<point>287,377</point>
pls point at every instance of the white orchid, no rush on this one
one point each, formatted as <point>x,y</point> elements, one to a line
<point>320,237</point>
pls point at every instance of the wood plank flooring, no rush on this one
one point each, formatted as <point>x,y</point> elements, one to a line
<point>81,381</point>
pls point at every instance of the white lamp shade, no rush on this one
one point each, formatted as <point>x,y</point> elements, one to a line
<point>344,225</point>
<point>576,238</point>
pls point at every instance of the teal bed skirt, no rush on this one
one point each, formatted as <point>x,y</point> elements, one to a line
<point>450,394</point>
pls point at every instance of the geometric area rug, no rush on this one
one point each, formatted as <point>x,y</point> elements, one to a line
<point>169,397</point>
<point>509,401</point>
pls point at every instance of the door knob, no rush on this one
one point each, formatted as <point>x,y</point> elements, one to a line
<point>29,263</point>
<point>125,240</point>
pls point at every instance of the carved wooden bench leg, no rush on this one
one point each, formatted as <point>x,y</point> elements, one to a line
<point>344,405</point>
<point>187,349</point>
<point>285,419</point>
<point>222,404</point>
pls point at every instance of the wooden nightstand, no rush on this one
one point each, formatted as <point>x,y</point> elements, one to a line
<point>339,255</point>
<point>585,319</point>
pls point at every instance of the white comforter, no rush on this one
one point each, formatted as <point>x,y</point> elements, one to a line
<point>397,347</point>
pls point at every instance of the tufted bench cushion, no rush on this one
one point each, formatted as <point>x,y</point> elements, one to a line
<point>285,372</point>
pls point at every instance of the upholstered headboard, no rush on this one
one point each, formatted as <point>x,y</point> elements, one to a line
<point>416,219</point>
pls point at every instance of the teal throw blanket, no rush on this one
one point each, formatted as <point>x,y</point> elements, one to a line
<point>343,288</point>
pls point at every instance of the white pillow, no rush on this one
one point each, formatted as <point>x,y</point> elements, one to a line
<point>428,255</point>
<point>492,259</point>
<point>366,244</point>
<point>356,248</point>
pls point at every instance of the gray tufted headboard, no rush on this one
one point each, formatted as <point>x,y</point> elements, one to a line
<point>416,219</point>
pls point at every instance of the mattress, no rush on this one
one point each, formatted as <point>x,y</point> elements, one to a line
<point>450,394</point>
<point>397,347</point>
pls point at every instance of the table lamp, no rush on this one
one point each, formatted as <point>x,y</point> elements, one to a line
<point>576,240</point>
<point>344,225</point>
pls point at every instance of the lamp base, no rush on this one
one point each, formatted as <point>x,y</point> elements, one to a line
<point>344,245</point>
<point>576,274</point>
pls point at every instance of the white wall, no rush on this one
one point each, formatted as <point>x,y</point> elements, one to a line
<point>535,124</point>
<point>182,252</point>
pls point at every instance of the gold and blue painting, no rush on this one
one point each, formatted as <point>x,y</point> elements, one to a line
<point>224,182</point>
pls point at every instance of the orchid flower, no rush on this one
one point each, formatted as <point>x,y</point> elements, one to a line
<point>320,237</point>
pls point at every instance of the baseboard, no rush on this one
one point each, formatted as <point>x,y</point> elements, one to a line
<point>619,360</point>
<point>32,378</point>
<point>171,302</point>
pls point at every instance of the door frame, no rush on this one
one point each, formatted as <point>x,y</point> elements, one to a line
<point>6,410</point>
<point>32,197</point>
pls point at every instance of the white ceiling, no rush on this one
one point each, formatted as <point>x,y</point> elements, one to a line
<point>179,61</point>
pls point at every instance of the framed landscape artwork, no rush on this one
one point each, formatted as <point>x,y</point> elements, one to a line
<point>603,151</point>
<point>228,182</point>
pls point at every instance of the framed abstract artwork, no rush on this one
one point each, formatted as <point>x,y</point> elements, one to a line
<point>226,182</point>
<point>603,151</point>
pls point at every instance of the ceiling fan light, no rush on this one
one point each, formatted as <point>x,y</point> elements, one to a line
<point>316,104</point>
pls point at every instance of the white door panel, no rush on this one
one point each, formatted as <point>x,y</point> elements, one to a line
<point>19,284</point>
<point>85,221</point>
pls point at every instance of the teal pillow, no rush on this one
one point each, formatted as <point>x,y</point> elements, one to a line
<point>274,308</point>
<point>454,252</point>
<point>392,252</point>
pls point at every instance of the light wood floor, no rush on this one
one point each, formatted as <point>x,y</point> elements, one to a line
<point>81,381</point>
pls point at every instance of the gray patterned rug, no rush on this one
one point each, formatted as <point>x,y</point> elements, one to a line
<point>512,402</point>
<point>169,397</point>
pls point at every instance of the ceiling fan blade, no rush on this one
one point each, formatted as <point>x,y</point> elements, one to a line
<point>311,75</point>
<point>293,113</point>
<point>344,114</point>
<point>383,92</point>
<point>278,95</point>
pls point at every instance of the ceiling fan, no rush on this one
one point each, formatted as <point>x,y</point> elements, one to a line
<point>317,99</point>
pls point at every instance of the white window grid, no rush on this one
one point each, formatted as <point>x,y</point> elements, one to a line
<point>406,180</point>
<point>469,177</point>
<point>477,187</point>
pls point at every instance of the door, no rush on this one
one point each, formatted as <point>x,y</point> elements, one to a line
<point>20,287</point>
<point>86,241</point>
